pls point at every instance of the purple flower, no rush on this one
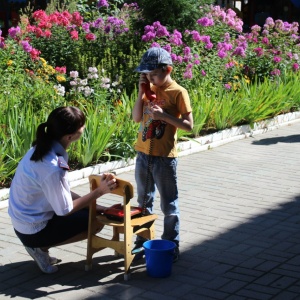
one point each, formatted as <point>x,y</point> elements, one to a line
<point>239,51</point>
<point>227,86</point>
<point>155,44</point>
<point>205,22</point>
<point>222,54</point>
<point>277,59</point>
<point>179,59</point>
<point>168,48</point>
<point>187,51</point>
<point>205,39</point>
<point>265,41</point>
<point>14,31</point>
<point>102,3</point>
<point>196,36</point>
<point>97,23</point>
<point>188,74</point>
<point>229,65</point>
<point>148,36</point>
<point>203,73</point>
<point>275,72</point>
<point>26,46</point>
<point>2,44</point>
<point>289,55</point>
<point>86,27</point>
<point>295,67</point>
<point>174,57</point>
<point>209,45</point>
<point>259,51</point>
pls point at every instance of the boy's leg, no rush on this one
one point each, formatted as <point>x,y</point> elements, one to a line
<point>164,173</point>
<point>145,189</point>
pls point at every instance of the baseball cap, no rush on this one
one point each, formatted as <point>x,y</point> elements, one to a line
<point>152,58</point>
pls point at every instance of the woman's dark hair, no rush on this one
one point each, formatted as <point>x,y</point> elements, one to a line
<point>61,121</point>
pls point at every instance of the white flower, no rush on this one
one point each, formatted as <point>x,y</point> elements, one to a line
<point>93,70</point>
<point>84,82</point>
<point>60,90</point>
<point>114,83</point>
<point>105,80</point>
<point>88,91</point>
<point>105,85</point>
<point>74,74</point>
<point>73,83</point>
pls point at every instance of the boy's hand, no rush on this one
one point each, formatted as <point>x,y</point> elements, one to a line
<point>143,80</point>
<point>156,112</point>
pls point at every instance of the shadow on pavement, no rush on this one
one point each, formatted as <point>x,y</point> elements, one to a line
<point>258,259</point>
<point>274,140</point>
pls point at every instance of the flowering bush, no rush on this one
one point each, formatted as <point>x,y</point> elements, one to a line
<point>88,58</point>
<point>218,51</point>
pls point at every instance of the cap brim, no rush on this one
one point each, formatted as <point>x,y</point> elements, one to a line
<point>145,68</point>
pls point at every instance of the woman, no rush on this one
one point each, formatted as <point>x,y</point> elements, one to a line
<point>43,210</point>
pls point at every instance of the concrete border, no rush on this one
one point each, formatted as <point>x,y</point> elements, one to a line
<point>190,146</point>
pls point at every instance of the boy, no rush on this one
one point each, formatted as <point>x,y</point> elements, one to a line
<point>160,112</point>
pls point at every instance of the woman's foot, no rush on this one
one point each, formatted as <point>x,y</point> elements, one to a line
<point>43,260</point>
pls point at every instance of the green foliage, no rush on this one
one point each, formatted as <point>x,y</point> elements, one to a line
<point>175,14</point>
<point>89,62</point>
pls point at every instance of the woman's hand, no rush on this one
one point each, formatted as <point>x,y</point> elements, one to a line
<point>108,183</point>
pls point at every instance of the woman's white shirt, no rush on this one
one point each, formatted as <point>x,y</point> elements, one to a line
<point>39,190</point>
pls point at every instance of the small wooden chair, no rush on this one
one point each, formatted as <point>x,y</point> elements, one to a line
<point>141,225</point>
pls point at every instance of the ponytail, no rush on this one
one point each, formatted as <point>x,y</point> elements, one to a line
<point>61,121</point>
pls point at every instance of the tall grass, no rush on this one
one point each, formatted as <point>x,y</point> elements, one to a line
<point>110,132</point>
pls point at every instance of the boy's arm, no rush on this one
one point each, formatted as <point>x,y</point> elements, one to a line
<point>186,121</point>
<point>137,112</point>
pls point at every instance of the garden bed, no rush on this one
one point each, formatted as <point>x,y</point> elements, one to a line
<point>188,147</point>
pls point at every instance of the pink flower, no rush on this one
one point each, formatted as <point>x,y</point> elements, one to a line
<point>275,72</point>
<point>74,35</point>
<point>277,59</point>
<point>34,54</point>
<point>2,44</point>
<point>90,36</point>
<point>77,19</point>
<point>295,67</point>
<point>47,33</point>
<point>203,73</point>
<point>227,86</point>
<point>259,51</point>
<point>62,70</point>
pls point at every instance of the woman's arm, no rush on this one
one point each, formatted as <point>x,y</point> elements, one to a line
<point>107,184</point>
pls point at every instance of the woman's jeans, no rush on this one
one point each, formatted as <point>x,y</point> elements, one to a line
<point>153,172</point>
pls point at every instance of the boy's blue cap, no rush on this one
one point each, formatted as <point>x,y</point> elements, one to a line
<point>152,58</point>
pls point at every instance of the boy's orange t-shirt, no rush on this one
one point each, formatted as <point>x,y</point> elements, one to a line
<point>174,100</point>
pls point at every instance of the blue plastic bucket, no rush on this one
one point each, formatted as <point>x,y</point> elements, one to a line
<point>159,257</point>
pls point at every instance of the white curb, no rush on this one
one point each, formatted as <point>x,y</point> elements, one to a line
<point>202,143</point>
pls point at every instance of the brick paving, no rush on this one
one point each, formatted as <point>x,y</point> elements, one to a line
<point>240,234</point>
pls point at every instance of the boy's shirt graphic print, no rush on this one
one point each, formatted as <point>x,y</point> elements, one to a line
<point>153,128</point>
